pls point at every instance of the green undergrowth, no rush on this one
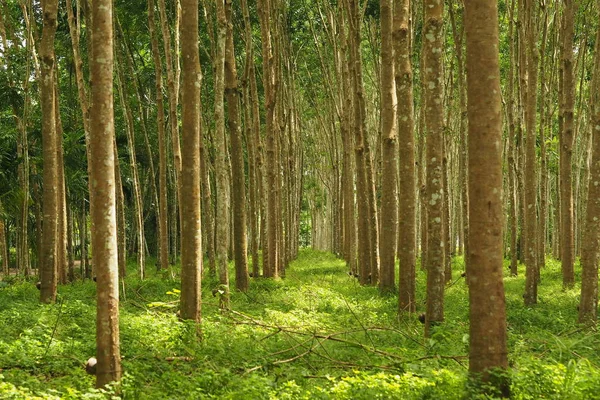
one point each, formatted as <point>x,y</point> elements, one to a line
<point>316,334</point>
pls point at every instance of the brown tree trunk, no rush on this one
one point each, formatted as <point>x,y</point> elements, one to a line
<point>252,123</point>
<point>48,271</point>
<point>163,227</point>
<point>221,155</point>
<point>138,216</point>
<point>566,140</point>
<point>271,267</point>
<point>487,314</point>
<point>237,159</point>
<point>511,157</point>
<point>590,252</point>
<point>407,197</point>
<point>103,206</point>
<point>529,89</point>
<point>434,125</point>
<point>358,126</point>
<point>61,235</point>
<point>120,209</point>
<point>541,240</point>
<point>389,188</point>
<point>191,244</point>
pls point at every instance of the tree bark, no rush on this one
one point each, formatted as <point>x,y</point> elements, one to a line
<point>487,314</point>
<point>48,270</point>
<point>389,188</point>
<point>191,244</point>
<point>221,154</point>
<point>103,205</point>
<point>566,140</point>
<point>529,88</point>
<point>163,227</point>
<point>590,252</point>
<point>237,159</point>
<point>434,125</point>
<point>407,228</point>
<point>138,216</point>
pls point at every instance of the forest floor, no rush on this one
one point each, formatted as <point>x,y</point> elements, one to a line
<point>317,334</point>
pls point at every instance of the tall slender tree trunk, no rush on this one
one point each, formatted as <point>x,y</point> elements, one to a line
<point>221,153</point>
<point>120,209</point>
<point>61,235</point>
<point>590,252</point>
<point>237,159</point>
<point>138,216</point>
<point>163,227</point>
<point>407,227</point>
<point>271,267</point>
<point>3,245</point>
<point>511,157</point>
<point>530,178</point>
<point>252,124</point>
<point>487,314</point>
<point>541,240</point>
<point>566,140</point>
<point>48,270</point>
<point>103,206</point>
<point>358,125</point>
<point>389,188</point>
<point>434,125</point>
<point>191,244</point>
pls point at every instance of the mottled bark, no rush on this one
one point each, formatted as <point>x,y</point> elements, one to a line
<point>103,205</point>
<point>358,126</point>
<point>237,159</point>
<point>191,244</point>
<point>512,138</point>
<point>590,252</point>
<point>271,264</point>
<point>407,227</point>
<point>389,137</point>
<point>434,124</point>
<point>48,271</point>
<point>541,239</point>
<point>222,219</point>
<point>61,234</point>
<point>487,314</point>
<point>566,140</point>
<point>252,123</point>
<point>529,70</point>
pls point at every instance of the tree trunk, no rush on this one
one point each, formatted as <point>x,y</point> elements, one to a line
<point>120,207</point>
<point>163,227</point>
<point>271,267</point>
<point>407,195</point>
<point>590,252</point>
<point>487,314</point>
<point>48,271</point>
<point>191,244</point>
<point>221,154</point>
<point>237,159</point>
<point>252,124</point>
<point>566,140</point>
<point>389,188</point>
<point>61,235</point>
<point>434,125</point>
<point>103,206</point>
<point>137,196</point>
<point>529,89</point>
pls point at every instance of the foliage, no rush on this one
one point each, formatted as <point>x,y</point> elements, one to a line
<point>317,334</point>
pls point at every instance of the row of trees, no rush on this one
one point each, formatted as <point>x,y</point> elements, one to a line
<point>347,120</point>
